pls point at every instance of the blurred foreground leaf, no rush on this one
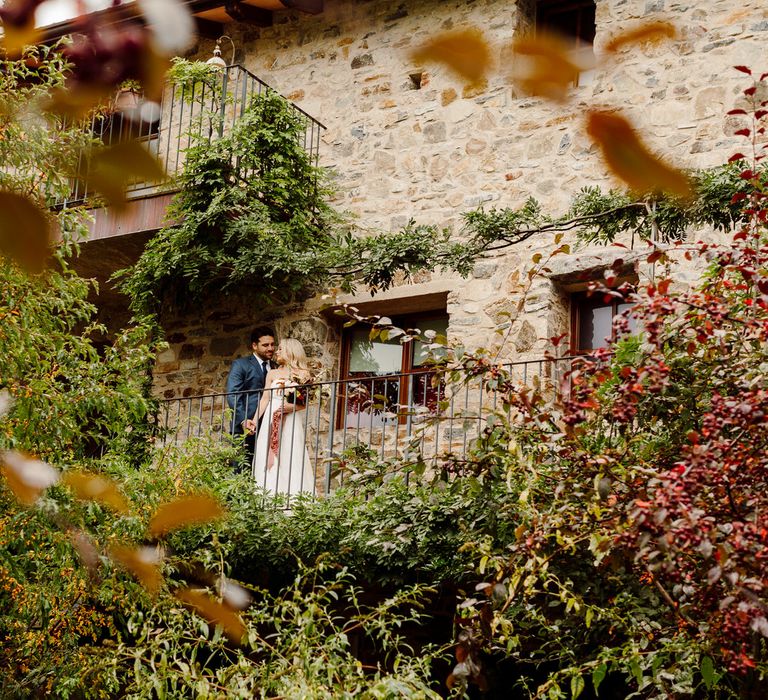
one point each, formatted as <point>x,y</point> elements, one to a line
<point>75,103</point>
<point>544,66</point>
<point>27,477</point>
<point>142,562</point>
<point>171,25</point>
<point>213,611</point>
<point>185,511</point>
<point>92,487</point>
<point>17,35</point>
<point>24,232</point>
<point>112,169</point>
<point>650,32</point>
<point>86,551</point>
<point>630,160</point>
<point>466,52</point>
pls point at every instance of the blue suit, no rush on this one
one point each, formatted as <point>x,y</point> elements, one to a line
<point>246,375</point>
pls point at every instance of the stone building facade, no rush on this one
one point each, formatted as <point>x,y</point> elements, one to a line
<point>408,140</point>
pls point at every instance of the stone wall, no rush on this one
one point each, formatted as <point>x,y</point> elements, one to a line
<point>408,140</point>
<point>201,345</point>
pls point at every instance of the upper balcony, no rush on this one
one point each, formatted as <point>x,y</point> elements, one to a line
<point>187,115</point>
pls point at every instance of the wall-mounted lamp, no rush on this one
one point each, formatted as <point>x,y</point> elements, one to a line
<point>216,60</point>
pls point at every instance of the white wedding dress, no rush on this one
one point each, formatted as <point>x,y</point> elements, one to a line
<point>281,463</point>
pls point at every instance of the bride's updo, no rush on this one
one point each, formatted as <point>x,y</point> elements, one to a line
<point>291,354</point>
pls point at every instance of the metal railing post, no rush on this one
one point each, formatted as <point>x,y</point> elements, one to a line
<point>331,429</point>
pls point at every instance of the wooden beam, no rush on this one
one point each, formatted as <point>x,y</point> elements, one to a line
<point>311,7</point>
<point>208,29</point>
<point>240,12</point>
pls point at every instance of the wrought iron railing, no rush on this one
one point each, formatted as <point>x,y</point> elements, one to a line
<point>414,417</point>
<point>187,114</point>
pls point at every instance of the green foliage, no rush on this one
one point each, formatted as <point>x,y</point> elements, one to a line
<point>39,151</point>
<point>102,634</point>
<point>250,212</point>
<point>605,215</point>
<point>73,395</point>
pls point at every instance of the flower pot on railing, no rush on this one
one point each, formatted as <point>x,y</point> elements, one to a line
<point>128,101</point>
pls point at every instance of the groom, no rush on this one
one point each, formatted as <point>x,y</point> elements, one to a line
<point>244,388</point>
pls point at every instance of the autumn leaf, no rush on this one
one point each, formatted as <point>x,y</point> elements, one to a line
<point>465,52</point>
<point>154,68</point>
<point>17,35</point>
<point>142,562</point>
<point>649,32</point>
<point>77,102</point>
<point>171,24</point>
<point>92,487</point>
<point>185,511</point>
<point>630,160</point>
<point>219,614</point>
<point>25,235</point>
<point>544,66</point>
<point>110,170</point>
<point>233,594</point>
<point>27,477</point>
<point>86,551</point>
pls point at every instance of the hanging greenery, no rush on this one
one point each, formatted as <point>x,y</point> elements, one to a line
<point>250,211</point>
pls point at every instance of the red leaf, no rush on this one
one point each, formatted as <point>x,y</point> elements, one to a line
<point>742,132</point>
<point>736,156</point>
<point>743,69</point>
<point>655,256</point>
<point>747,174</point>
<point>760,113</point>
<point>557,339</point>
<point>737,111</point>
<point>750,91</point>
<point>663,286</point>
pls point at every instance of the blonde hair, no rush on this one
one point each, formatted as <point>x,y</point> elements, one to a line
<point>293,355</point>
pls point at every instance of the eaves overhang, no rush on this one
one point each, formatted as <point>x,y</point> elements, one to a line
<point>210,15</point>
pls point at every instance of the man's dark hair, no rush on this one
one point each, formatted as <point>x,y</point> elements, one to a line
<point>260,332</point>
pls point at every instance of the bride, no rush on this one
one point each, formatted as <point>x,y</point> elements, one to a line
<point>281,461</point>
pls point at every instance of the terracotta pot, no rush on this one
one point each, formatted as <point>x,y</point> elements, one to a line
<point>127,101</point>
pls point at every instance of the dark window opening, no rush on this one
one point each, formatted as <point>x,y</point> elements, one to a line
<point>573,21</point>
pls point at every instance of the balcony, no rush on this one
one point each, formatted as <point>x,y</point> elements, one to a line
<point>414,418</point>
<point>186,115</point>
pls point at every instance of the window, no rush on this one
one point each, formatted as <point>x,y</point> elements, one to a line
<point>573,20</point>
<point>592,321</point>
<point>387,380</point>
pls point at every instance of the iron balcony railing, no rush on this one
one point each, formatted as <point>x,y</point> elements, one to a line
<point>326,427</point>
<point>186,114</point>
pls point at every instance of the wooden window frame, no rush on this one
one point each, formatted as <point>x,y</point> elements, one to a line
<point>406,362</point>
<point>577,303</point>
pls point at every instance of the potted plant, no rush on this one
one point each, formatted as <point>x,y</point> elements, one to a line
<point>128,97</point>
